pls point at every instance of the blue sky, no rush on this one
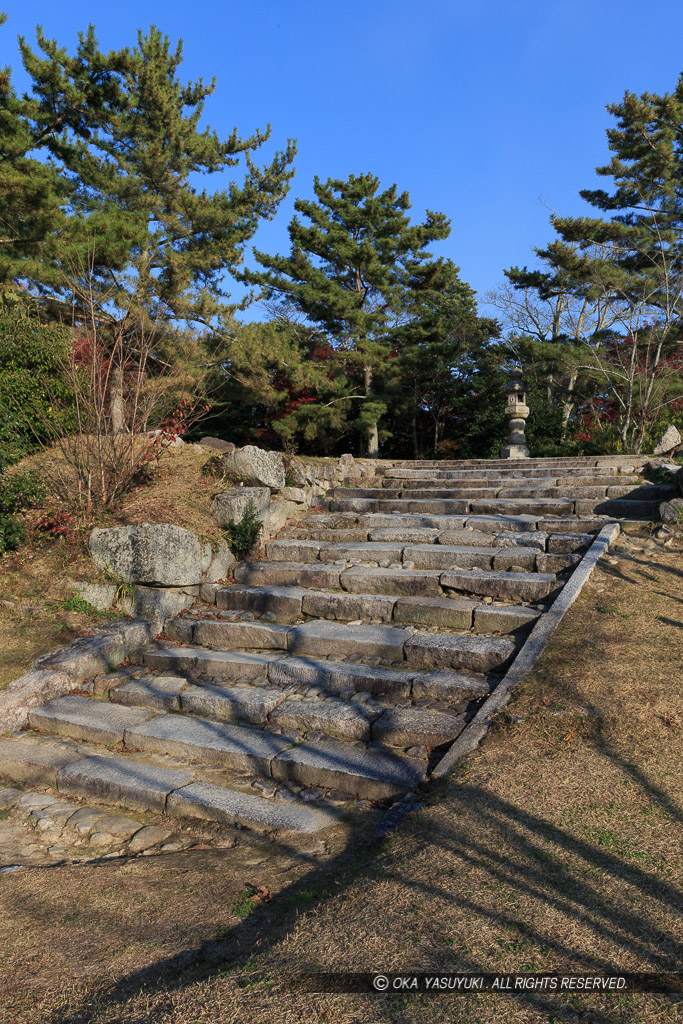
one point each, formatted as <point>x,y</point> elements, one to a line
<point>492,112</point>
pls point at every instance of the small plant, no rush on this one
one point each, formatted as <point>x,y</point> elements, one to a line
<point>244,534</point>
<point>77,603</point>
<point>244,905</point>
<point>12,533</point>
<point>289,479</point>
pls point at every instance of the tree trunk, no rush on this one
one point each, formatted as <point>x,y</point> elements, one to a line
<point>373,442</point>
<point>372,436</point>
<point>416,450</point>
<point>116,401</point>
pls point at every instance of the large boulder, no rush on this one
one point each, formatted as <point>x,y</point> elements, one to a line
<point>669,440</point>
<point>231,505</point>
<point>255,467</point>
<point>671,512</point>
<point>218,444</point>
<point>156,554</point>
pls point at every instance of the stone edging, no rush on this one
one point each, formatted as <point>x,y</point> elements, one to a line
<point>63,670</point>
<point>531,651</point>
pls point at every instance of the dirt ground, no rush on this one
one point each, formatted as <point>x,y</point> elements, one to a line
<point>554,847</point>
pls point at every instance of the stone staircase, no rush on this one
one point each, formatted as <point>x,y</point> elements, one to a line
<point>333,673</point>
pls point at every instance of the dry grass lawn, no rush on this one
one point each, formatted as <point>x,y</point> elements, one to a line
<point>34,580</point>
<point>555,846</point>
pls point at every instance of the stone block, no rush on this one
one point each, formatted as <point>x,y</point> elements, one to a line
<point>232,703</point>
<point>234,746</point>
<point>443,650</point>
<point>557,563</point>
<point>230,807</point>
<point>286,574</point>
<point>404,535</point>
<point>153,553</point>
<point>339,676</point>
<point>399,582</point>
<point>226,635</point>
<point>230,506</point>
<point>161,692</point>
<point>359,553</point>
<point>345,606</point>
<point>506,586</point>
<point>407,727</point>
<point>147,837</point>
<point>566,543</point>
<point>223,664</point>
<point>255,467</point>
<point>508,619</point>
<point>121,781</point>
<point>283,602</point>
<point>442,556</point>
<point>451,612</point>
<point>455,687</point>
<point>81,718</point>
<point>338,718</point>
<point>33,762</point>
<point>292,550</point>
<point>367,774</point>
<point>524,557</point>
<point>529,539</point>
<point>320,638</point>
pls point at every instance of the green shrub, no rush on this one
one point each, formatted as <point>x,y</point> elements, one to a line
<point>243,535</point>
<point>20,490</point>
<point>32,361</point>
<point>12,533</point>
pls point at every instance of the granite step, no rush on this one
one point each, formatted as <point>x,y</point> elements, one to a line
<point>448,612</point>
<point>336,677</point>
<point>503,506</point>
<point>82,718</point>
<point>371,774</point>
<point>366,580</point>
<point>128,782</point>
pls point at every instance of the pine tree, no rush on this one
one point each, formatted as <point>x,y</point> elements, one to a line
<point>126,133</point>
<point>31,196</point>
<point>628,266</point>
<point>350,270</point>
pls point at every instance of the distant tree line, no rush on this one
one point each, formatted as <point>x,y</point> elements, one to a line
<point>118,261</point>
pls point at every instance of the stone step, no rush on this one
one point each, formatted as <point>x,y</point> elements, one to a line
<point>577,488</point>
<point>331,676</point>
<point>371,774</point>
<point>462,535</point>
<point>408,727</point>
<point>235,665</point>
<point>501,506</point>
<point>618,508</point>
<point>126,782</point>
<point>82,718</point>
<point>25,760</point>
<point>509,586</point>
<point>576,478</point>
<point>445,507</point>
<point>203,739</point>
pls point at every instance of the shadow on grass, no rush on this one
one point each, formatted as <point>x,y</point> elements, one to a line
<point>591,883</point>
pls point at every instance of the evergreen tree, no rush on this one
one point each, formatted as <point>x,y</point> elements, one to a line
<point>125,132</point>
<point>439,326</point>
<point>351,271</point>
<point>31,196</point>
<point>629,266</point>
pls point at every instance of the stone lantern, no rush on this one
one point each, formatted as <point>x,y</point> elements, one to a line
<point>517,411</point>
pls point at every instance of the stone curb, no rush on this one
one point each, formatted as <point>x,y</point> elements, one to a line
<point>525,661</point>
<point>61,671</point>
